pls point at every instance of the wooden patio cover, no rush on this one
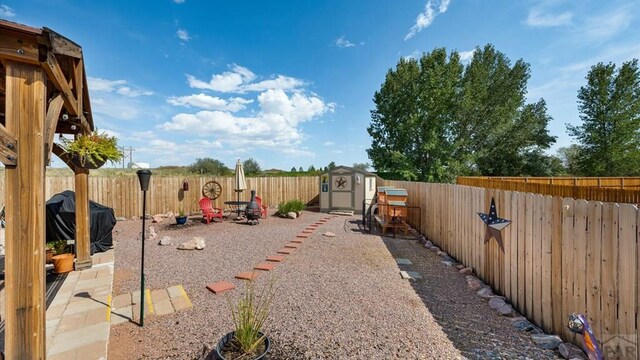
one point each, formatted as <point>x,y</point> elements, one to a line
<point>43,92</point>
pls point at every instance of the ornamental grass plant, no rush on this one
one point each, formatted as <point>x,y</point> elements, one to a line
<point>249,315</point>
<point>291,206</point>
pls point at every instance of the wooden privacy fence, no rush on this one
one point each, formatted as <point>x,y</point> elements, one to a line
<point>124,196</point>
<point>601,182</point>
<point>560,255</point>
<point>608,191</point>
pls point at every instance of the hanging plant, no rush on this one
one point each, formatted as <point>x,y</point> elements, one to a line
<point>92,150</point>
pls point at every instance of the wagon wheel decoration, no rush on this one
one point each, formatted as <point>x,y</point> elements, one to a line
<point>212,190</point>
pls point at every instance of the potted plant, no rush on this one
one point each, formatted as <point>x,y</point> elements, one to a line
<point>91,151</point>
<point>48,247</point>
<point>62,260</point>
<point>249,315</point>
<point>291,208</point>
<point>181,218</point>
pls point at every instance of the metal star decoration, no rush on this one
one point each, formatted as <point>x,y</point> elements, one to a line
<point>494,224</point>
<point>341,182</point>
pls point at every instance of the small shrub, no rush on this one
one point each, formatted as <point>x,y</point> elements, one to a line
<point>59,246</point>
<point>291,206</point>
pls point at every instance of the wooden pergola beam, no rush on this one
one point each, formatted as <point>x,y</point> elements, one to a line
<point>8,147</point>
<point>57,77</point>
<point>53,114</point>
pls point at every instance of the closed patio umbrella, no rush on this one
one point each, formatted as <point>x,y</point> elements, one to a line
<point>241,183</point>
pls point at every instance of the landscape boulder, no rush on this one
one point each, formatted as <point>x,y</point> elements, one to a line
<point>197,243</point>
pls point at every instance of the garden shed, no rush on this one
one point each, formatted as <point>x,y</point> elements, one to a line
<point>345,189</point>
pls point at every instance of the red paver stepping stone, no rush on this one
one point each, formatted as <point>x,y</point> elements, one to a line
<point>297,241</point>
<point>247,275</point>
<point>221,286</point>
<point>292,245</point>
<point>275,258</point>
<point>287,251</point>
<point>307,231</point>
<point>313,226</point>
<point>265,266</point>
<point>302,236</point>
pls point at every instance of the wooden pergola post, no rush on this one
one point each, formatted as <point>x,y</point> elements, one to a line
<point>83,224</point>
<point>25,213</point>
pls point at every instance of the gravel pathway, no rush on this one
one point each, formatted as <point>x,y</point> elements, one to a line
<point>338,298</point>
<point>474,328</point>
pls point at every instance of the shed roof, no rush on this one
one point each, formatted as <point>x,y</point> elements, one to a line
<point>352,170</point>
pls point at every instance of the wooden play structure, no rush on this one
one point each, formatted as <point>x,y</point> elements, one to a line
<point>43,92</point>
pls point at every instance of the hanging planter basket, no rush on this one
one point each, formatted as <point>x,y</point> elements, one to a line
<point>87,164</point>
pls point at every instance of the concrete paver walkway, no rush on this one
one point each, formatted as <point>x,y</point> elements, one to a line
<point>78,317</point>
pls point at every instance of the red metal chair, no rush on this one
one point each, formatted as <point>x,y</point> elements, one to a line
<point>208,211</point>
<point>263,208</point>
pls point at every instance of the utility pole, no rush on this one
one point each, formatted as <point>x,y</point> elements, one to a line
<point>131,150</point>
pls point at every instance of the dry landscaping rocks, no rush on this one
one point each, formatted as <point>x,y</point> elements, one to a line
<point>166,240</point>
<point>570,351</point>
<point>197,243</point>
<point>329,234</point>
<point>466,271</point>
<point>545,341</point>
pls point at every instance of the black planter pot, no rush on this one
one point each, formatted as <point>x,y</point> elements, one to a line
<point>77,161</point>
<point>227,338</point>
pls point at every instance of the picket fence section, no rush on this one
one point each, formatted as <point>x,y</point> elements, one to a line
<point>165,193</point>
<point>560,255</point>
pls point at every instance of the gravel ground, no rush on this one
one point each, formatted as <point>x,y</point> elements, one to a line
<point>474,328</point>
<point>337,298</point>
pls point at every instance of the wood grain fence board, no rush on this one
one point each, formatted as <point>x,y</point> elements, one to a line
<point>609,268</point>
<point>556,265</point>
<point>522,252</point>
<point>627,281</point>
<point>580,256</point>
<point>546,263</point>
<point>513,239</point>
<point>528,234</point>
<point>568,265</point>
<point>536,253</point>
<point>506,237</point>
<point>594,263</point>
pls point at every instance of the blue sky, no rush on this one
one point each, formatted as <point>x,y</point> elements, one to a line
<point>290,83</point>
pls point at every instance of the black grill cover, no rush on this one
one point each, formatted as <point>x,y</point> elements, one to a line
<point>61,221</point>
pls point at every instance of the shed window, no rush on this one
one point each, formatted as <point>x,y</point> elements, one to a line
<point>370,184</point>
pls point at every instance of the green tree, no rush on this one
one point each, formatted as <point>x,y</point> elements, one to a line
<point>251,167</point>
<point>208,166</point>
<point>411,125</point>
<point>609,137</point>
<point>569,157</point>
<point>293,169</point>
<point>436,119</point>
<point>300,169</point>
<point>361,166</point>
<point>332,165</point>
<point>311,169</point>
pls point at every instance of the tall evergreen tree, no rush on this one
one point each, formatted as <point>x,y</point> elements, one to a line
<point>609,137</point>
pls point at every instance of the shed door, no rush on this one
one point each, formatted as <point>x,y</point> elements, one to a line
<point>342,191</point>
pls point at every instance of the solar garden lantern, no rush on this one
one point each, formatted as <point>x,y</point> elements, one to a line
<point>144,176</point>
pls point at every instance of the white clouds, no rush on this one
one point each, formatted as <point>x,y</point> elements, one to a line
<point>466,56</point>
<point>604,26</point>
<point>240,80</point>
<point>207,102</point>
<point>424,19</point>
<point>342,42</point>
<point>6,12</point>
<point>329,143</point>
<point>538,18</point>
<point>117,86</point>
<point>183,35</point>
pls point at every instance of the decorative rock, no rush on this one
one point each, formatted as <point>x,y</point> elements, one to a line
<point>157,218</point>
<point>170,214</point>
<point>436,249</point>
<point>521,323</point>
<point>474,285</point>
<point>459,266</point>
<point>197,243</point>
<point>166,240</point>
<point>485,292</point>
<point>505,310</point>
<point>329,234</point>
<point>152,232</point>
<point>466,271</point>
<point>496,303</point>
<point>428,243</point>
<point>448,263</point>
<point>121,218</point>
<point>570,351</point>
<point>441,253</point>
<point>545,341</point>
<point>292,215</point>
